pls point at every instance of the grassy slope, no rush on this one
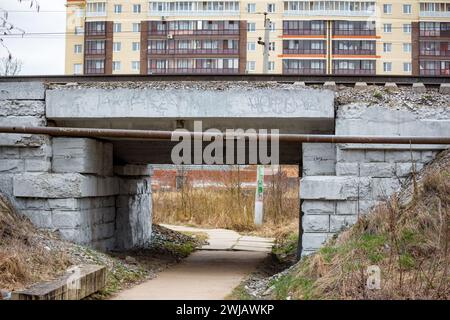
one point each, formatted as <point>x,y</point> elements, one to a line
<point>407,237</point>
<point>29,255</point>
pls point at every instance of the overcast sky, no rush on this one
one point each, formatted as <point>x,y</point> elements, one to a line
<point>41,54</point>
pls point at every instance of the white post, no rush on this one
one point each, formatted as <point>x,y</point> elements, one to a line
<point>259,210</point>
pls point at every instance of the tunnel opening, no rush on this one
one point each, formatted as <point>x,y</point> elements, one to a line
<point>223,196</point>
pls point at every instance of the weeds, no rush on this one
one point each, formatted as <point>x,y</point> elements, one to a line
<point>407,240</point>
<point>231,206</point>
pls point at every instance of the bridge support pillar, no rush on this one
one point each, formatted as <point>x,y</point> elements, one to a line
<point>343,181</point>
<point>134,207</point>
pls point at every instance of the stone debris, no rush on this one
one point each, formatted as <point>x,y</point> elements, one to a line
<point>405,98</point>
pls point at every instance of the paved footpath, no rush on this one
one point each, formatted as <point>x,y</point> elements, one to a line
<point>209,273</point>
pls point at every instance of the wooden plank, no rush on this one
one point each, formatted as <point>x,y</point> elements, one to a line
<point>77,283</point>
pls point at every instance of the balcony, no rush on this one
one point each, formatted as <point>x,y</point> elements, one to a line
<point>191,71</point>
<point>354,52</point>
<point>303,32</point>
<point>193,13</point>
<point>338,32</point>
<point>230,32</point>
<point>354,71</point>
<point>303,71</point>
<point>304,51</point>
<point>434,14</point>
<point>344,13</point>
<point>193,51</point>
<point>96,14</point>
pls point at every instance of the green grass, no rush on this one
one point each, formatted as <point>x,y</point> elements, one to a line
<point>183,250</point>
<point>286,248</point>
<point>239,293</point>
<point>291,282</point>
<point>199,236</point>
<point>378,95</point>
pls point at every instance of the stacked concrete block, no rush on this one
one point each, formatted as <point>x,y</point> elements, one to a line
<point>319,163</point>
<point>68,184</point>
<point>318,159</point>
<point>364,174</point>
<point>22,104</point>
<point>76,195</point>
<point>134,206</point>
<point>88,221</point>
<point>83,156</point>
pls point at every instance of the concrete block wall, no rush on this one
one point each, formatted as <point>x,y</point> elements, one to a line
<point>363,174</point>
<point>134,206</point>
<point>22,104</point>
<point>76,196</point>
<point>69,184</point>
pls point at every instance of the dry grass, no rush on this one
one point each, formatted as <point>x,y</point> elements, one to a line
<point>24,259</point>
<point>231,207</point>
<point>407,237</point>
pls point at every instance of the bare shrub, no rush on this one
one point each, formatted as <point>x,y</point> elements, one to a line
<point>229,206</point>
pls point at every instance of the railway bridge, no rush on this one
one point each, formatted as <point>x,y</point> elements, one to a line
<point>94,185</point>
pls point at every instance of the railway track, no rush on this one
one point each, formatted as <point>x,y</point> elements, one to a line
<point>309,80</point>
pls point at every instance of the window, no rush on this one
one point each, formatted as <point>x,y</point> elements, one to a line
<point>407,28</point>
<point>387,66</point>
<point>96,28</point>
<point>251,27</point>
<point>387,47</point>
<point>272,26</point>
<point>387,8</point>
<point>117,27</point>
<point>407,66</point>
<point>79,30</point>
<point>251,7</point>
<point>136,46</point>
<point>117,46</point>
<point>136,8</point>
<point>117,8</point>
<point>116,65</point>
<point>407,9</point>
<point>136,27</point>
<point>272,46</point>
<point>251,65</point>
<point>271,65</point>
<point>95,46</point>
<point>95,66</point>
<point>407,47</point>
<point>251,46</point>
<point>96,9</point>
<point>135,65</point>
<point>387,27</point>
<point>77,68</point>
<point>271,7</point>
<point>78,48</point>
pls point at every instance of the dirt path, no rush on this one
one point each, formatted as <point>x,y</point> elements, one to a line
<point>210,273</point>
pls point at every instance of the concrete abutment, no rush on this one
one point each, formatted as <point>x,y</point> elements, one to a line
<point>70,184</point>
<point>74,185</point>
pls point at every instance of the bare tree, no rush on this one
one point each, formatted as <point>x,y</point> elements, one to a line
<point>10,66</point>
<point>8,28</point>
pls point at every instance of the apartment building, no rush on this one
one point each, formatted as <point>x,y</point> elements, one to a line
<point>409,37</point>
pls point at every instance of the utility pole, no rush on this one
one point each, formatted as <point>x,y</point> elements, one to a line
<point>259,211</point>
<point>265,43</point>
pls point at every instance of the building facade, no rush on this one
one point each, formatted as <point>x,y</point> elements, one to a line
<point>409,37</point>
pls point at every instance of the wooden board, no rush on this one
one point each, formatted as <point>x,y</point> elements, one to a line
<point>77,283</point>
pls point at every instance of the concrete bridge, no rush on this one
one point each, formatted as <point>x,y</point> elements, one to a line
<point>97,191</point>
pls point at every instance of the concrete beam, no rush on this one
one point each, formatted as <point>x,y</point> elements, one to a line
<point>333,188</point>
<point>22,91</point>
<point>121,103</point>
<point>63,185</point>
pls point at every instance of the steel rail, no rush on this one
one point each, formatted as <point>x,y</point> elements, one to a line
<point>172,135</point>
<point>308,79</point>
